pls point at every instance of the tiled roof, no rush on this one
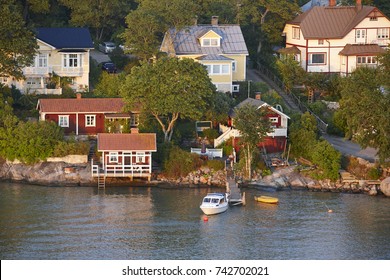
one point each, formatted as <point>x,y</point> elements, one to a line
<point>330,22</point>
<point>81,105</point>
<point>361,50</point>
<point>187,40</point>
<point>66,38</point>
<point>213,57</point>
<point>127,142</point>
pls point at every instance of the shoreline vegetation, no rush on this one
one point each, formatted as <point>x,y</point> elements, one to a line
<point>287,178</point>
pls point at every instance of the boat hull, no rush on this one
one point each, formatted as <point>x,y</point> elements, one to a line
<point>267,199</point>
<point>214,210</point>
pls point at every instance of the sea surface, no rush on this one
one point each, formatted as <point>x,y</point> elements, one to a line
<point>72,223</point>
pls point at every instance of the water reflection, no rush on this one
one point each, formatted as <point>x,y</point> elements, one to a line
<point>158,223</point>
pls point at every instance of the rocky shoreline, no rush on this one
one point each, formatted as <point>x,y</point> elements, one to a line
<point>63,174</point>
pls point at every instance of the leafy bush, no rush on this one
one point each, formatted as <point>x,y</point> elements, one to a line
<point>373,173</point>
<point>215,164</point>
<point>179,163</point>
<point>327,159</point>
<point>210,133</point>
<point>71,148</point>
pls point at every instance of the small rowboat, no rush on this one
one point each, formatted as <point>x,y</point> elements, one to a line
<point>267,199</point>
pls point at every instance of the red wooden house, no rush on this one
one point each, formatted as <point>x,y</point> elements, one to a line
<point>275,141</point>
<point>86,116</point>
<point>125,154</point>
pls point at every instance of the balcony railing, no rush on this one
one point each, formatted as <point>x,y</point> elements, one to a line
<point>48,91</point>
<point>41,71</point>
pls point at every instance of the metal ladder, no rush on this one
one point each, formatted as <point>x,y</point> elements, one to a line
<point>101,180</point>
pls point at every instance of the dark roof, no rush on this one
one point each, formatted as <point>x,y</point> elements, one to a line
<point>330,22</point>
<point>81,105</point>
<point>253,102</point>
<point>65,38</point>
<point>361,50</point>
<point>126,142</point>
<point>289,50</point>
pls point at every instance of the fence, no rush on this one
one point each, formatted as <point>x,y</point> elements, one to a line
<point>212,153</point>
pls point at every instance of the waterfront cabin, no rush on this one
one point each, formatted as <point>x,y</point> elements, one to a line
<point>88,116</point>
<point>125,155</point>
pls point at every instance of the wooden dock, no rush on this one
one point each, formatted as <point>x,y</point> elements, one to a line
<point>235,196</point>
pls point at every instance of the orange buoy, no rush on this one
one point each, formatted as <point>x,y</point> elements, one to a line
<point>205,218</point>
<point>330,211</point>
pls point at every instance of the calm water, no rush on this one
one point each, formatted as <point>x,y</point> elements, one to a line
<point>154,223</point>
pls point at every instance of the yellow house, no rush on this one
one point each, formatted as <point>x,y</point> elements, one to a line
<point>63,53</point>
<point>220,48</point>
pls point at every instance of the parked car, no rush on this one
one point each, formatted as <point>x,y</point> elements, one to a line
<point>107,47</point>
<point>109,67</point>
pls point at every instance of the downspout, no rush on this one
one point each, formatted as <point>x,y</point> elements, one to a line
<point>77,123</point>
<point>307,54</point>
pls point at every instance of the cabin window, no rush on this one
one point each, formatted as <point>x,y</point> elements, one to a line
<point>71,60</point>
<point>236,88</point>
<point>383,33</point>
<point>210,42</point>
<point>274,119</point>
<point>296,32</point>
<point>134,120</point>
<point>317,58</point>
<point>218,69</point>
<point>113,157</point>
<point>90,120</point>
<point>366,60</point>
<point>140,157</point>
<point>373,18</point>
<point>234,66</point>
<point>40,60</point>
<point>360,33</point>
<point>63,121</point>
<point>320,41</point>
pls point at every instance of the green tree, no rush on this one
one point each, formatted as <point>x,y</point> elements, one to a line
<point>365,110</point>
<point>220,105</point>
<point>168,89</point>
<point>17,44</point>
<point>327,159</point>
<point>147,25</point>
<point>303,135</point>
<point>253,125</point>
<point>100,15</point>
<point>290,70</point>
<point>109,85</point>
<point>34,6</point>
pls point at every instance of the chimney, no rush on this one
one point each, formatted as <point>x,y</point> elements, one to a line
<point>78,95</point>
<point>358,5</point>
<point>258,95</point>
<point>134,130</point>
<point>332,3</point>
<point>214,20</point>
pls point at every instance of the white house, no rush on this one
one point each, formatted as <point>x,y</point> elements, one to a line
<point>337,39</point>
<point>62,53</point>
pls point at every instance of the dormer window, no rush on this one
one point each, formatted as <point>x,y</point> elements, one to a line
<point>210,42</point>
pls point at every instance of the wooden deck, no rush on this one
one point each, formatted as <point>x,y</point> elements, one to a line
<point>235,198</point>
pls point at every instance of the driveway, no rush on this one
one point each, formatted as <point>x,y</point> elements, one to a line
<point>347,147</point>
<point>99,56</point>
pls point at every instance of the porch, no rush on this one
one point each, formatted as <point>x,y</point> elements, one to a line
<point>121,170</point>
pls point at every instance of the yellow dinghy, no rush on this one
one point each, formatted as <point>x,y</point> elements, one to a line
<point>267,199</point>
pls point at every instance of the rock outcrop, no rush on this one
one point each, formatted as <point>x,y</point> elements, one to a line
<point>385,186</point>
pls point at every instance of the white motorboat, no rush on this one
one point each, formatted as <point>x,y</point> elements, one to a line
<point>214,203</point>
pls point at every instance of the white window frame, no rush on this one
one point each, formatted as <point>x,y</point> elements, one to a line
<point>274,119</point>
<point>134,120</point>
<point>383,33</point>
<point>218,69</point>
<point>360,34</point>
<point>90,120</point>
<point>210,42</point>
<point>296,33</point>
<point>317,63</point>
<point>41,60</point>
<point>320,41</point>
<point>63,120</point>
<point>366,60</point>
<point>236,88</point>
<point>113,157</point>
<point>71,60</point>
<point>140,157</point>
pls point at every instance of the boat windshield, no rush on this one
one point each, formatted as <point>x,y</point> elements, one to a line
<point>215,200</point>
<point>207,199</point>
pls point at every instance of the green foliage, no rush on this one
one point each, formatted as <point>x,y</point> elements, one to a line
<point>210,133</point>
<point>215,164</point>
<point>327,159</point>
<point>17,44</point>
<point>179,163</point>
<point>219,107</point>
<point>168,89</point>
<point>29,142</point>
<point>253,125</point>
<point>227,147</point>
<point>318,107</point>
<point>374,173</point>
<point>303,135</point>
<point>364,110</point>
<point>109,85</point>
<point>185,130</point>
<point>65,148</point>
<point>290,70</point>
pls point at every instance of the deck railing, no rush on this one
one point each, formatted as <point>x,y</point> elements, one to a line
<point>133,170</point>
<point>212,153</point>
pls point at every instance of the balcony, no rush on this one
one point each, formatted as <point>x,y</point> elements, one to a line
<point>68,71</point>
<point>281,131</point>
<point>37,71</point>
<point>47,91</point>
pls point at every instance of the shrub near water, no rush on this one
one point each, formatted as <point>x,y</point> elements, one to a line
<point>215,164</point>
<point>179,163</point>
